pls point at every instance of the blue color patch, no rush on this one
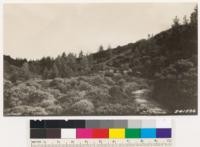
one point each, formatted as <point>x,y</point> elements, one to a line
<point>148,133</point>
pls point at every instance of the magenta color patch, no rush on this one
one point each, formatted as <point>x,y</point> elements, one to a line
<point>83,133</point>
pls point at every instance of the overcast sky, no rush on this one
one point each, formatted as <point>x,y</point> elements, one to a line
<point>36,30</point>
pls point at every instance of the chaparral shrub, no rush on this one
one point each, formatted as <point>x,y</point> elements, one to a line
<point>82,107</point>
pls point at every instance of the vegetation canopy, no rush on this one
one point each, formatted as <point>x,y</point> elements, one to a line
<point>152,76</point>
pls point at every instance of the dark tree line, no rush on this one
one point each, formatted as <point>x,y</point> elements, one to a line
<point>47,67</point>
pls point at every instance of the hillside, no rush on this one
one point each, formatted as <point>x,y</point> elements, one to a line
<point>167,46</point>
<point>155,76</point>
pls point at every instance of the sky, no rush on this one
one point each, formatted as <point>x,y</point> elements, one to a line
<point>35,30</point>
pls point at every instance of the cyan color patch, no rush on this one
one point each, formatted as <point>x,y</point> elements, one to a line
<point>148,133</point>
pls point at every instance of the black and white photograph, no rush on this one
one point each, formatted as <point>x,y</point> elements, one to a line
<point>100,59</point>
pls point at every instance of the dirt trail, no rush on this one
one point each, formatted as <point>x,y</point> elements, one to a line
<point>147,105</point>
<point>105,63</point>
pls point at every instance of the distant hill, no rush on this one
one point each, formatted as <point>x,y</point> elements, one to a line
<point>152,55</point>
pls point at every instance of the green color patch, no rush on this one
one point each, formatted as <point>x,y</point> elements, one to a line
<point>132,133</point>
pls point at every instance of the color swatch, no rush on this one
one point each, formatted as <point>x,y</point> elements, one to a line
<point>133,133</point>
<point>148,133</point>
<point>102,129</point>
<point>116,133</point>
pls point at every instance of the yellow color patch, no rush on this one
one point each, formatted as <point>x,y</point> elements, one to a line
<point>116,133</point>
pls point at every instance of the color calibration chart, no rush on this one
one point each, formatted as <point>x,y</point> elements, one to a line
<point>101,133</point>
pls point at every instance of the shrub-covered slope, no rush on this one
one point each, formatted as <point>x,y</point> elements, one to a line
<point>100,83</point>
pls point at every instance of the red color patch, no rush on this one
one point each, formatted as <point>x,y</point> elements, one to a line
<point>100,133</point>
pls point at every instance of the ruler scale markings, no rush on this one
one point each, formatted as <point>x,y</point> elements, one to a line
<point>104,133</point>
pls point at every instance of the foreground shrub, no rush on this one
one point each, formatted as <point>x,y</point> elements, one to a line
<point>17,95</point>
<point>47,102</point>
<point>55,92</point>
<point>37,96</point>
<point>56,81</point>
<point>82,107</point>
<point>33,83</point>
<point>45,83</point>
<point>109,74</point>
<point>109,81</point>
<point>7,93</point>
<point>7,84</point>
<point>54,110</point>
<point>117,94</point>
<point>98,96</point>
<point>70,98</point>
<point>97,80</point>
<point>130,87</point>
<point>84,86</point>
<point>26,111</point>
<point>117,109</point>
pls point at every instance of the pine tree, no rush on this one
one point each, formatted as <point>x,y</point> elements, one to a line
<point>81,54</point>
<point>110,53</point>
<point>101,48</point>
<point>176,22</point>
<point>84,64</point>
<point>64,69</point>
<point>26,71</point>
<point>72,62</point>
<point>193,16</point>
<point>55,72</point>
<point>64,55</point>
<point>45,74</point>
<point>185,20</point>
